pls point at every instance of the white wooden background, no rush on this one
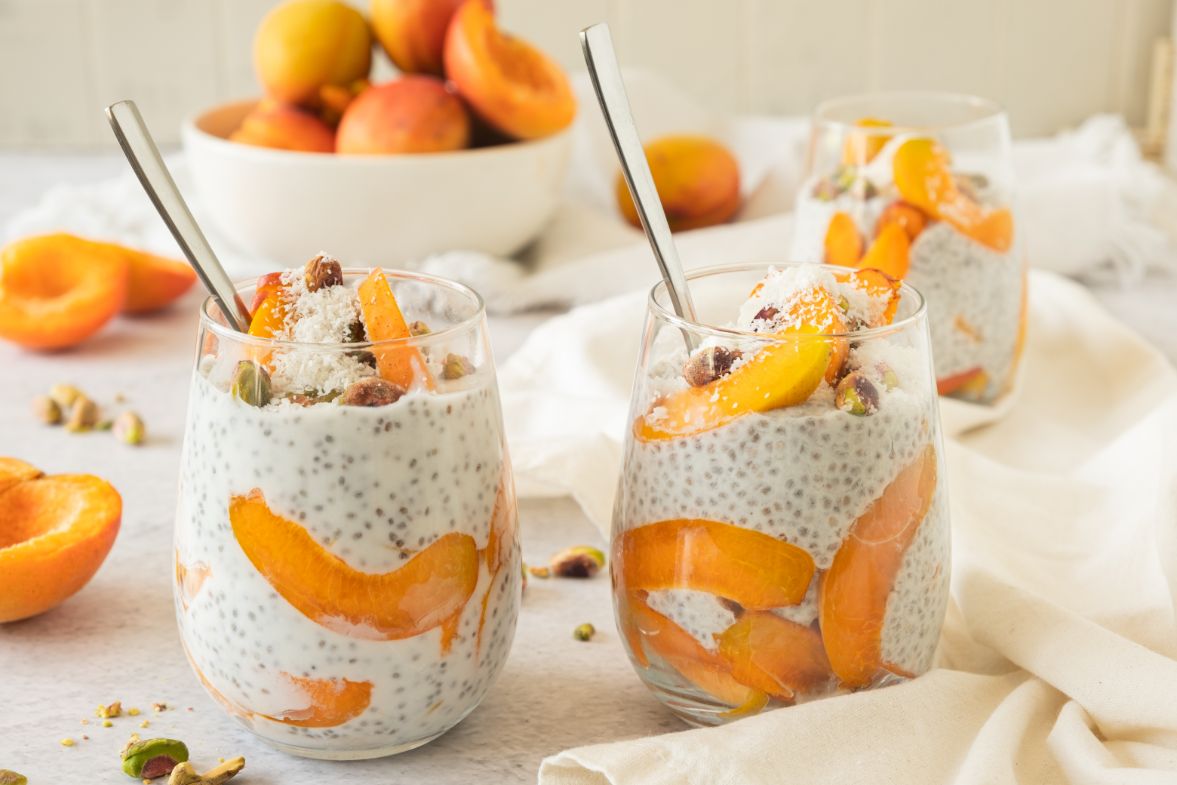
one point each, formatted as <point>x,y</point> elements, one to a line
<point>1051,62</point>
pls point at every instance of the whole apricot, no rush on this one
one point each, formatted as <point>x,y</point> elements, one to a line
<point>302,46</point>
<point>412,32</point>
<point>413,114</point>
<point>510,84</point>
<point>284,127</point>
<point>698,182</point>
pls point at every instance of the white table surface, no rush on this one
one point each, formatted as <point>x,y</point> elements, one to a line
<point>117,640</point>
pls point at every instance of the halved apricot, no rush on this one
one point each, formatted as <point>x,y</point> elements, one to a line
<point>704,669</point>
<point>330,702</point>
<point>55,533</point>
<point>861,146</point>
<point>907,216</point>
<point>890,253</point>
<point>754,569</point>
<point>401,363</point>
<point>774,655</point>
<point>784,373</point>
<point>512,85</point>
<point>14,470</point>
<point>923,178</point>
<point>843,243</point>
<point>426,592</point>
<point>155,281</point>
<point>56,290</point>
<point>852,598</point>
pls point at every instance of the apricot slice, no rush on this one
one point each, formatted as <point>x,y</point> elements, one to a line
<point>501,540</point>
<point>512,85</point>
<point>675,646</point>
<point>889,253</point>
<point>56,290</point>
<point>750,567</point>
<point>774,655</point>
<point>878,284</point>
<point>270,317</point>
<point>400,363</point>
<point>697,179</point>
<point>923,178</point>
<point>843,243</point>
<point>784,373</point>
<point>972,381</point>
<point>427,591</point>
<point>906,216</point>
<point>14,470</point>
<point>190,580</point>
<point>331,702</point>
<point>861,146</point>
<point>55,533</point>
<point>852,597</point>
<point>267,284</point>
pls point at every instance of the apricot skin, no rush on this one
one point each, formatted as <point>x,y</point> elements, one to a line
<point>302,46</point>
<point>513,86</point>
<point>412,32</point>
<point>698,182</point>
<point>283,127</point>
<point>414,114</point>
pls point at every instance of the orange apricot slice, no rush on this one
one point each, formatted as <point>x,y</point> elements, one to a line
<point>852,597</point>
<point>55,533</point>
<point>861,146</point>
<point>774,655</point>
<point>57,290</point>
<point>512,85</point>
<point>843,243</point>
<point>270,316</point>
<point>426,592</point>
<point>784,373</point>
<point>878,284</point>
<point>972,380</point>
<point>889,253</point>
<point>678,649</point>
<point>500,542</point>
<point>924,179</point>
<point>907,217</point>
<point>14,470</point>
<point>190,580</point>
<point>331,702</point>
<point>401,363</point>
<point>754,569</point>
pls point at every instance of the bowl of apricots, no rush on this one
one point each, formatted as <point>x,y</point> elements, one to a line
<point>466,148</point>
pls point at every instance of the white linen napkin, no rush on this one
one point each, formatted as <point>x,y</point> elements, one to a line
<point>1089,205</point>
<point>1056,663</point>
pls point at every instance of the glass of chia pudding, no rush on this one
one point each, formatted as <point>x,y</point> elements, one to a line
<point>346,551</point>
<point>781,526</point>
<point>920,186</point>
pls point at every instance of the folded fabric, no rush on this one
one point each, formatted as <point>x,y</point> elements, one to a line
<point>1089,205</point>
<point>1056,662</point>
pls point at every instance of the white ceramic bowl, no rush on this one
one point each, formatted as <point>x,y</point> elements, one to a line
<point>378,210</point>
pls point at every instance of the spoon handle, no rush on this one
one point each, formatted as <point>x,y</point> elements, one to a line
<point>144,157</point>
<point>605,74</point>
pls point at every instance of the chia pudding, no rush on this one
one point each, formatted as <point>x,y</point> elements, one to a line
<point>755,546</point>
<point>959,252</point>
<point>347,561</point>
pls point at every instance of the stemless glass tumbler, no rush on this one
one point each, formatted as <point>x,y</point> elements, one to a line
<point>920,186</point>
<point>781,530</point>
<point>347,567</point>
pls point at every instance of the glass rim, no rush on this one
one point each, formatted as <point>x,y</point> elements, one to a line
<point>667,314</point>
<point>225,331</point>
<point>990,110</point>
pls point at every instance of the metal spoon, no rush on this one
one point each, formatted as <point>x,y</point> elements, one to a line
<point>143,155</point>
<point>605,74</point>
